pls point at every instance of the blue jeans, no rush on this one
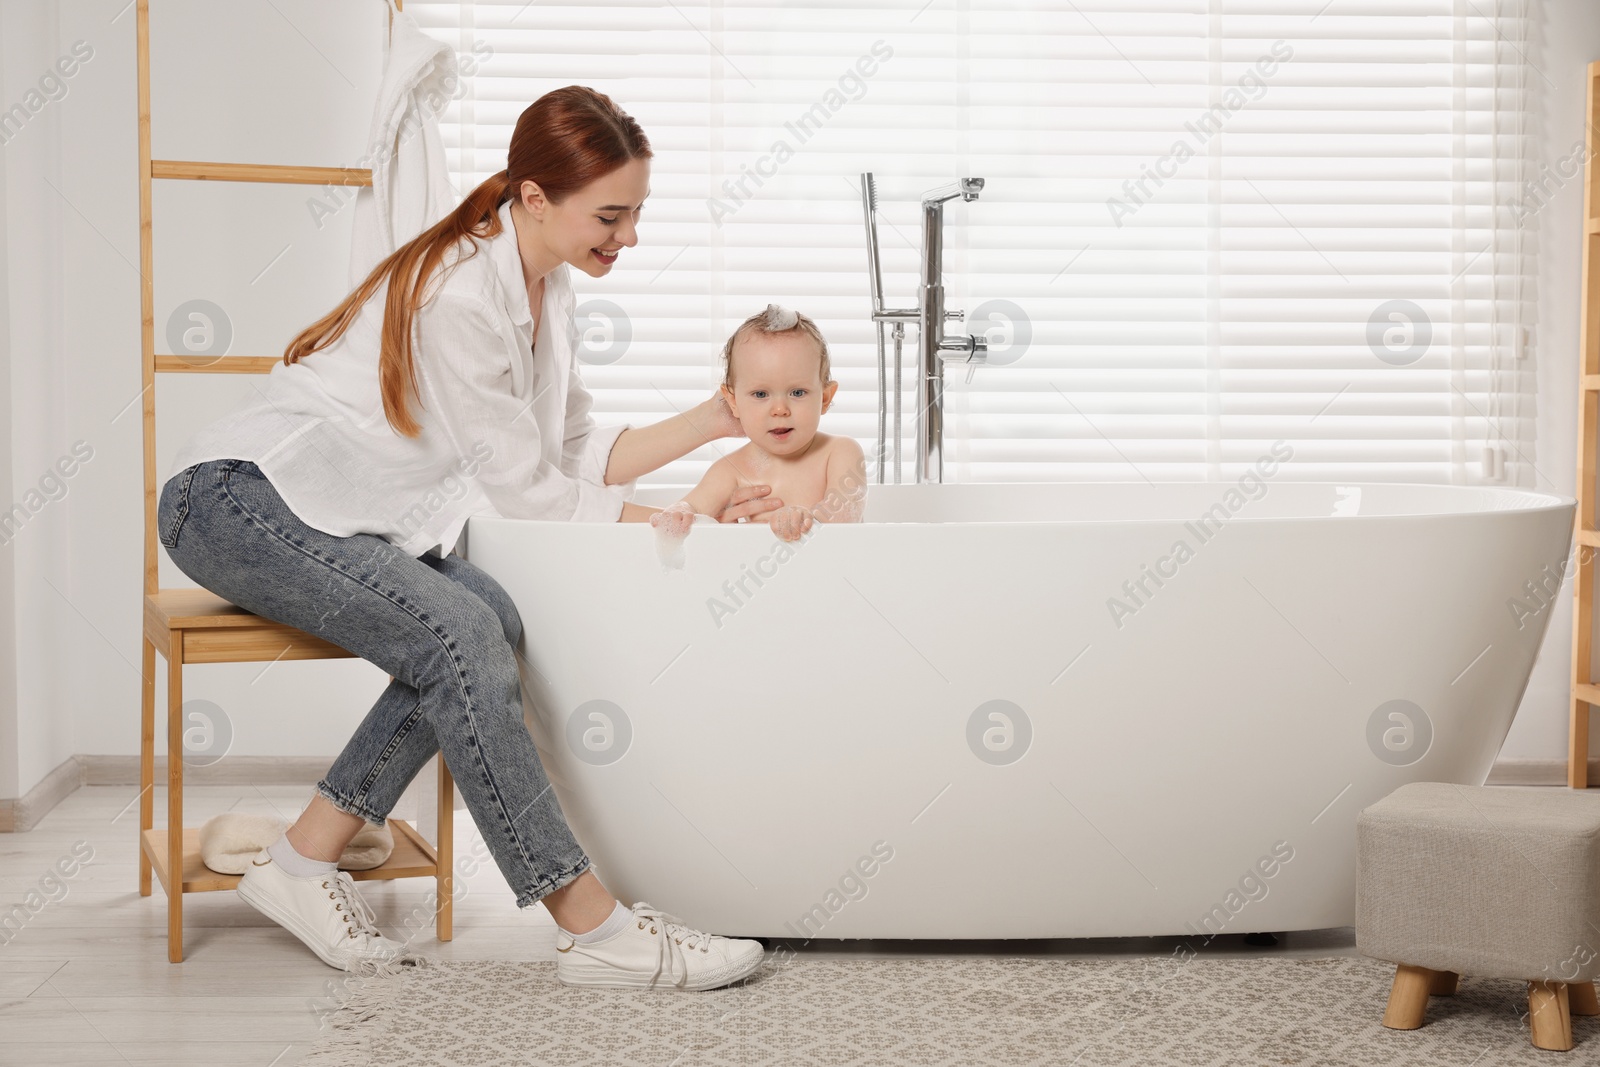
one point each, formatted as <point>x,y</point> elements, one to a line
<point>444,630</point>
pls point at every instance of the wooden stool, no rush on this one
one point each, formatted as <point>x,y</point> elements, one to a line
<point>1551,1005</point>
<point>1494,882</point>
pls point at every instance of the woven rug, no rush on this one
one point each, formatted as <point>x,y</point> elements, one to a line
<point>820,1012</point>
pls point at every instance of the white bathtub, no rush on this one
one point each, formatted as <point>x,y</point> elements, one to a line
<point>817,757</point>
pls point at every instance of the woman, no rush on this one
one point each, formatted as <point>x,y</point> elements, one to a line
<point>333,501</point>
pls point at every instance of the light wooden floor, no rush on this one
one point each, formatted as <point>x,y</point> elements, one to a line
<point>87,979</point>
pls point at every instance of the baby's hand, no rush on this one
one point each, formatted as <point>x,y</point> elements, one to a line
<point>790,523</point>
<point>674,521</point>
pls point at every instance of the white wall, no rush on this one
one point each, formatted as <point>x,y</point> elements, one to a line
<point>1565,39</point>
<point>10,40</point>
<point>37,257</point>
<point>293,82</point>
<point>287,82</point>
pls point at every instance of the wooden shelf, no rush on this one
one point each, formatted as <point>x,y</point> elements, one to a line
<point>190,626</point>
<point>218,365</point>
<point>219,632</point>
<point>413,857</point>
<point>277,174</point>
<point>1585,694</point>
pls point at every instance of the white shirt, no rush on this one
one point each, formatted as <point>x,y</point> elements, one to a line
<point>505,422</point>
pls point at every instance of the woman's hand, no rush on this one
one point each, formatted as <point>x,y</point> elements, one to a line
<point>713,419</point>
<point>747,501</point>
<point>638,450</point>
<point>791,523</point>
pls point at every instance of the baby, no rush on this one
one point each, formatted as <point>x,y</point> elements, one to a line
<point>777,384</point>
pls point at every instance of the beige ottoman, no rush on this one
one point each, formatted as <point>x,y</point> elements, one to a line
<point>1494,882</point>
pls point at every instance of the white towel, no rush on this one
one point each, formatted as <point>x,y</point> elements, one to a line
<point>411,187</point>
<point>230,840</point>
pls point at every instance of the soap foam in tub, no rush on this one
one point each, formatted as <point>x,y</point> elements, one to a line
<point>669,546</point>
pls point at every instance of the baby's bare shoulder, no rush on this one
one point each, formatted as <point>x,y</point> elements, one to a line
<point>824,447</point>
<point>830,443</point>
<point>844,447</point>
<point>726,468</point>
<point>838,450</point>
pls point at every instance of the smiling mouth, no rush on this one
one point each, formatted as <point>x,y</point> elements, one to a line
<point>604,257</point>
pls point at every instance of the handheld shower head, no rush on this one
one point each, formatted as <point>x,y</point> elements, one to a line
<point>869,210</point>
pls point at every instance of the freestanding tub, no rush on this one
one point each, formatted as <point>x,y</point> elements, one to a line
<point>997,711</point>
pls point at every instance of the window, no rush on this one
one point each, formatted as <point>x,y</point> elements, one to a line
<point>1206,227</point>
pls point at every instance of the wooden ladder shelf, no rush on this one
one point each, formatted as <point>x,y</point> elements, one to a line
<point>1585,690</point>
<point>196,626</point>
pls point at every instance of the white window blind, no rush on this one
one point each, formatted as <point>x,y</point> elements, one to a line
<point>1206,227</point>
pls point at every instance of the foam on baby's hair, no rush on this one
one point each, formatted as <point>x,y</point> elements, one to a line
<point>775,318</point>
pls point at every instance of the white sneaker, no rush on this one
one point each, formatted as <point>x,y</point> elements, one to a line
<point>656,951</point>
<point>325,913</point>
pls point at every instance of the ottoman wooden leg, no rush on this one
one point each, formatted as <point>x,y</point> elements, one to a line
<point>1549,1016</point>
<point>1581,998</point>
<point>1444,984</point>
<point>1408,997</point>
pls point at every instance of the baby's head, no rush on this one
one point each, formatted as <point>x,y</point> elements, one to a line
<point>777,382</point>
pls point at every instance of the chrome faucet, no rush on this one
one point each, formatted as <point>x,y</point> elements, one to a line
<point>929,317</point>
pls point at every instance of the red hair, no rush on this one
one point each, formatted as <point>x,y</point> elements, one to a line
<point>563,141</point>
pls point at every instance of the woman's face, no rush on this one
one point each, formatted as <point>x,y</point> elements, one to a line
<point>591,227</point>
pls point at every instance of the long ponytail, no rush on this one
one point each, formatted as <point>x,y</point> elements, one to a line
<point>563,141</point>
